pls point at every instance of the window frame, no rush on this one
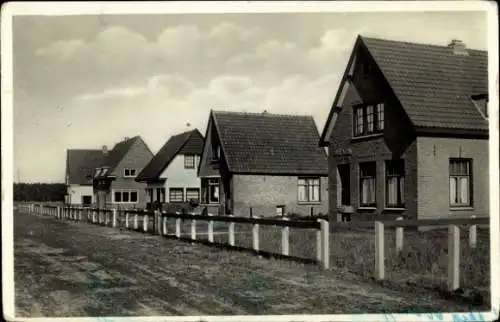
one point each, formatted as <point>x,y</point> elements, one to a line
<point>397,164</point>
<point>469,176</point>
<point>368,119</point>
<point>308,183</point>
<point>192,161</point>
<point>367,177</point>
<point>213,182</point>
<point>132,173</point>
<point>176,189</point>
<point>122,193</point>
<point>191,190</point>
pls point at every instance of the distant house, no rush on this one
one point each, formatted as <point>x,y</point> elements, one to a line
<point>114,180</point>
<point>267,162</point>
<point>171,175</point>
<point>80,167</point>
<point>408,131</point>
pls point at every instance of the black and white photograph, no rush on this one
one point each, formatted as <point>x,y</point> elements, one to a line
<point>250,161</point>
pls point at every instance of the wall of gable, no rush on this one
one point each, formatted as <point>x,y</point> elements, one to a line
<point>206,169</point>
<point>179,177</point>
<point>137,157</point>
<point>76,192</point>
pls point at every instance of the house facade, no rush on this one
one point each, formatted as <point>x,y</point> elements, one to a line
<point>114,182</point>
<point>171,175</point>
<point>407,134</point>
<point>80,166</point>
<point>263,165</point>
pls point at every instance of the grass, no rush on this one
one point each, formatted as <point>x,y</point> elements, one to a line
<point>422,262</point>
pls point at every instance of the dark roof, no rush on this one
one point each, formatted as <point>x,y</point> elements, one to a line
<point>433,84</point>
<point>190,142</point>
<point>117,154</point>
<point>270,143</point>
<point>80,165</point>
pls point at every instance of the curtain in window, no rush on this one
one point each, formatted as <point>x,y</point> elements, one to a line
<point>313,193</point>
<point>453,190</point>
<point>392,190</point>
<point>368,191</point>
<point>302,193</point>
<point>464,190</point>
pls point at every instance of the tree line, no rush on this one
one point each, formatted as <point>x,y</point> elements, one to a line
<point>39,191</point>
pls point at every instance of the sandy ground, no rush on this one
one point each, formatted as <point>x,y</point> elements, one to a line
<point>77,269</point>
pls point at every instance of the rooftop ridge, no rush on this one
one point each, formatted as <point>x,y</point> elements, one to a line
<point>418,43</point>
<point>269,114</point>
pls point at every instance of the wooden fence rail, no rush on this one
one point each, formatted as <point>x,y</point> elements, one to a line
<point>157,223</point>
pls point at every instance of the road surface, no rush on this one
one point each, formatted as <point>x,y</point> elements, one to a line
<point>77,269</point>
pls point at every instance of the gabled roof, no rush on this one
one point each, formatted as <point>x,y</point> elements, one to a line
<point>271,144</point>
<point>117,154</point>
<point>80,165</point>
<point>190,142</point>
<point>433,84</point>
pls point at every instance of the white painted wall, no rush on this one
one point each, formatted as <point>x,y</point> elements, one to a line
<point>76,192</point>
<point>178,177</point>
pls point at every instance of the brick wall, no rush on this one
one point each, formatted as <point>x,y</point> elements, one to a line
<point>264,193</point>
<point>433,176</point>
<point>137,157</point>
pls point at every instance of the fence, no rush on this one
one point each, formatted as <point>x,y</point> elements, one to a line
<point>158,223</point>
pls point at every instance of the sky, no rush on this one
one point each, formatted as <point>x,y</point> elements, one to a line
<point>88,81</point>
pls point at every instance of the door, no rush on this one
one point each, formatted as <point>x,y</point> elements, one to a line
<point>345,184</point>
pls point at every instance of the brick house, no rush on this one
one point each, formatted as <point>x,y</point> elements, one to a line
<point>267,162</point>
<point>80,167</point>
<point>114,180</point>
<point>407,133</point>
<point>171,175</point>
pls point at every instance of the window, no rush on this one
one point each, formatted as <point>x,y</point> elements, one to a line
<point>308,189</point>
<point>192,193</point>
<point>460,182</point>
<point>176,195</point>
<point>213,191</point>
<point>125,196</point>
<point>189,162</point>
<point>129,172</point>
<point>367,174</point>
<point>394,184</point>
<point>216,152</point>
<point>280,211</point>
<point>160,194</point>
<point>368,119</point>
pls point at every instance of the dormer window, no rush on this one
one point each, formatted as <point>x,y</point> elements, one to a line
<point>481,103</point>
<point>216,152</point>
<point>368,119</point>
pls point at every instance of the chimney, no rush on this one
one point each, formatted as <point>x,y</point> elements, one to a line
<point>104,150</point>
<point>265,112</point>
<point>458,47</point>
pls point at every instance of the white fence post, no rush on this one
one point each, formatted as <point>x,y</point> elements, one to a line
<point>58,212</point>
<point>81,214</point>
<point>145,222</point>
<point>210,230</point>
<point>473,235</point>
<point>255,237</point>
<point>193,228</point>
<point>165,226</point>
<point>325,243</point>
<point>231,233</point>
<point>115,215</point>
<point>94,216</point>
<point>136,221</point>
<point>127,221</point>
<point>178,227</point>
<point>318,243</point>
<point>285,239</point>
<point>399,237</point>
<point>379,251</point>
<point>158,222</point>
<point>453,257</point>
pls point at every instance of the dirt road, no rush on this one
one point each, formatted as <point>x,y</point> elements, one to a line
<point>77,269</point>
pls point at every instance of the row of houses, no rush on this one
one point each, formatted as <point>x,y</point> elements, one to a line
<point>406,135</point>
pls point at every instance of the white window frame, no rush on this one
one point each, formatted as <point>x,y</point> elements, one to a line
<point>362,178</point>
<point>130,170</point>
<point>456,180</point>
<point>122,192</point>
<point>192,164</point>
<point>400,184</point>
<point>188,190</point>
<point>213,182</point>
<point>176,189</point>
<point>308,195</point>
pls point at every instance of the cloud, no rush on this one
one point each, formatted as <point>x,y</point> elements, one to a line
<point>61,50</point>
